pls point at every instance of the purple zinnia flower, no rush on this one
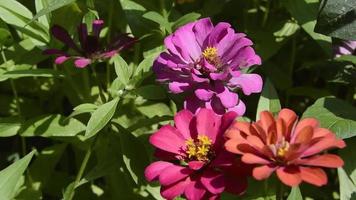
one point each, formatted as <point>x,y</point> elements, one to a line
<point>90,49</point>
<point>344,47</point>
<point>207,61</point>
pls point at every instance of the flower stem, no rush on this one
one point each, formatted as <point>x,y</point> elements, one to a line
<point>101,92</point>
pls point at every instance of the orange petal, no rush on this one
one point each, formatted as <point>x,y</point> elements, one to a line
<point>250,158</point>
<point>231,146</point>
<point>289,117</point>
<point>281,129</point>
<point>266,120</point>
<point>326,160</point>
<point>315,176</point>
<point>289,176</point>
<point>304,135</point>
<point>262,172</point>
<point>255,141</point>
<point>306,122</point>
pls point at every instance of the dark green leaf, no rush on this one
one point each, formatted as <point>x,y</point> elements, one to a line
<point>152,92</point>
<point>53,5</point>
<point>337,19</point>
<point>334,114</point>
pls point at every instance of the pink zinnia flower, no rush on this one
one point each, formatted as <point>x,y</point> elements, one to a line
<point>284,145</point>
<point>343,47</point>
<point>206,61</point>
<point>193,161</point>
<point>90,49</point>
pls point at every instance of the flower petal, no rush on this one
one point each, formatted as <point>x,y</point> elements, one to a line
<point>182,121</point>
<point>175,190</point>
<point>82,62</point>
<point>173,173</point>
<point>227,98</point>
<point>203,94</point>
<point>240,108</point>
<point>178,87</point>
<point>155,169</point>
<point>196,165</point>
<point>315,176</point>
<point>289,176</point>
<point>195,190</point>
<point>61,59</point>
<point>249,83</point>
<point>62,35</point>
<point>168,139</point>
<point>325,160</point>
<point>213,181</point>
<point>202,29</point>
<point>263,172</point>
<point>208,123</point>
<point>254,159</point>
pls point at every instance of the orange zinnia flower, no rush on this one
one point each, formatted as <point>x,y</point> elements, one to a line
<point>284,145</point>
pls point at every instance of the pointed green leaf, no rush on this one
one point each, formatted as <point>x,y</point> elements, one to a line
<point>101,117</point>
<point>53,5</point>
<point>10,176</point>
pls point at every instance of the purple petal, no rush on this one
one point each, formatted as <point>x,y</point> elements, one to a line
<point>219,76</point>
<point>219,31</point>
<point>83,35</point>
<point>97,26</point>
<point>54,52</point>
<point>193,104</point>
<point>82,62</point>
<point>249,83</point>
<point>216,105</point>
<point>177,87</point>
<point>203,94</point>
<point>61,59</point>
<point>202,29</point>
<point>240,108</point>
<point>62,35</point>
<point>227,98</point>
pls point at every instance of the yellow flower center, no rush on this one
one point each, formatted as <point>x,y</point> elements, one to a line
<point>199,149</point>
<point>283,149</point>
<point>211,55</point>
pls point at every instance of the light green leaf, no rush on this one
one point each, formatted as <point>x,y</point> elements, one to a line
<point>16,7</point>
<point>101,117</point>
<point>159,19</point>
<point>156,109</point>
<point>50,73</point>
<point>52,126</point>
<point>295,194</point>
<point>10,176</point>
<point>123,71</point>
<point>41,4</point>
<point>9,126</point>
<point>190,17</point>
<point>334,114</point>
<point>53,5</point>
<point>347,187</point>
<point>268,100</point>
<point>348,58</point>
<point>83,108</point>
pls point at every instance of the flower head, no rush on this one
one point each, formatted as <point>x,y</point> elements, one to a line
<point>206,61</point>
<point>90,49</point>
<point>343,47</point>
<point>192,159</point>
<point>284,145</point>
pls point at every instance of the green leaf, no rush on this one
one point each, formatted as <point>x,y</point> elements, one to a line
<point>123,71</point>
<point>190,17</point>
<point>155,109</point>
<point>334,114</point>
<point>347,154</point>
<point>159,19</point>
<point>134,154</point>
<point>10,176</point>
<point>347,187</point>
<point>17,7</point>
<point>101,117</point>
<point>295,194</point>
<point>268,100</point>
<point>53,5</point>
<point>9,126</point>
<point>305,11</point>
<point>5,37</point>
<point>50,73</point>
<point>337,19</point>
<point>83,108</point>
<point>152,92</point>
<point>45,19</point>
<point>348,58</point>
<point>51,126</point>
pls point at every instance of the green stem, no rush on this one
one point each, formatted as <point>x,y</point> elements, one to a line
<point>101,92</point>
<point>81,171</point>
<point>265,16</point>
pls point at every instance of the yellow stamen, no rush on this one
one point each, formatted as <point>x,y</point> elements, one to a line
<point>199,149</point>
<point>211,54</point>
<point>281,151</point>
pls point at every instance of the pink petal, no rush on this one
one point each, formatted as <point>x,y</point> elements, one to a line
<point>213,181</point>
<point>168,139</point>
<point>173,173</point>
<point>82,62</point>
<point>227,98</point>
<point>155,169</point>
<point>227,119</point>
<point>174,190</point>
<point>178,87</point>
<point>203,94</point>
<point>61,59</point>
<point>208,123</point>
<point>249,83</point>
<point>182,121</point>
<point>196,165</point>
<point>195,191</point>
<point>240,108</point>
<point>202,29</point>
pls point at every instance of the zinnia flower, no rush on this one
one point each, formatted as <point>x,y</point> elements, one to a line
<point>192,159</point>
<point>206,62</point>
<point>90,49</point>
<point>284,145</point>
<point>343,47</point>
